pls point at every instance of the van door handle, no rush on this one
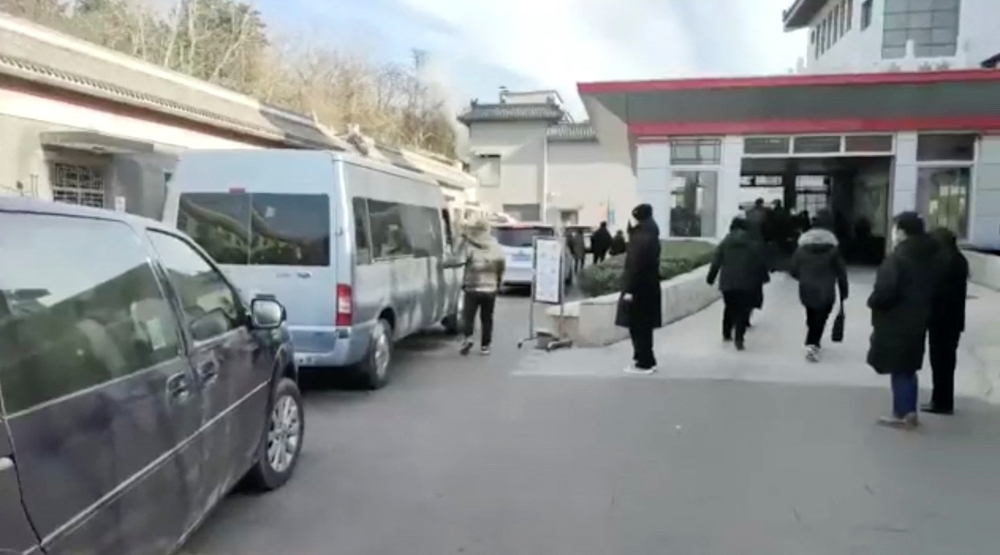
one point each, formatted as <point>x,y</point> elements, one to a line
<point>208,371</point>
<point>179,387</point>
<point>6,463</point>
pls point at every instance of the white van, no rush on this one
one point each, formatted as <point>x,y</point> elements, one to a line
<point>359,252</point>
<point>517,241</point>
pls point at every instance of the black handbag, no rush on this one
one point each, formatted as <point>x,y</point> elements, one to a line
<point>837,333</point>
<point>622,312</point>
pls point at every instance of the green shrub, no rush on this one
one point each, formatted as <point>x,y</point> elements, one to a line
<point>676,257</point>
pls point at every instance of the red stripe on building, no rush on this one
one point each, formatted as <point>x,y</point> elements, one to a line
<point>796,80</point>
<point>771,127</point>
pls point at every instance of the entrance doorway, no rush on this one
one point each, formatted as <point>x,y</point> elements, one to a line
<point>855,189</point>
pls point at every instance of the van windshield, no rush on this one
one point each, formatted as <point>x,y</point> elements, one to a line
<point>521,237</point>
<point>259,229</point>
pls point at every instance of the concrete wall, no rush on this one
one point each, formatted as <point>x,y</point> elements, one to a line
<point>583,177</point>
<point>521,147</point>
<point>861,50</point>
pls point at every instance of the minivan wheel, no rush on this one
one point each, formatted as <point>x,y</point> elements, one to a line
<point>374,369</point>
<point>281,444</point>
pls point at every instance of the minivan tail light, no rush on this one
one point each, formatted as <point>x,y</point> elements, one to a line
<point>345,304</point>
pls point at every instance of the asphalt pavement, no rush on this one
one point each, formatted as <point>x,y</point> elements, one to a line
<point>534,453</point>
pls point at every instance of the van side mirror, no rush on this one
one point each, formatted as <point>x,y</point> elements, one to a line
<point>266,313</point>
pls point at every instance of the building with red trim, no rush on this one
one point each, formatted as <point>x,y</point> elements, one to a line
<point>865,145</point>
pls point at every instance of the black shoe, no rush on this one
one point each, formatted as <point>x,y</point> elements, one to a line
<point>466,347</point>
<point>727,338</point>
<point>739,345</point>
<point>929,407</point>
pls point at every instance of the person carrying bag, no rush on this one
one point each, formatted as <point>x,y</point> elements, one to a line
<point>819,268</point>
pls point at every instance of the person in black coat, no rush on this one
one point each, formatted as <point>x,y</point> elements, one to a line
<point>600,242</point>
<point>641,289</point>
<point>741,267</point>
<point>947,321</point>
<point>618,244</point>
<point>900,302</point>
<point>819,267</point>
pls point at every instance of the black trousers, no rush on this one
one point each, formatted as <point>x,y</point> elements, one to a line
<point>943,352</point>
<point>736,314</point>
<point>599,257</point>
<point>484,303</point>
<point>578,262</point>
<point>642,346</point>
<point>816,323</point>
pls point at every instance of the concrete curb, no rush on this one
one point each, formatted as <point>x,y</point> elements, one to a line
<point>591,322</point>
<point>984,269</point>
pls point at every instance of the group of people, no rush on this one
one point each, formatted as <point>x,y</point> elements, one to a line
<point>918,298</point>
<point>602,244</point>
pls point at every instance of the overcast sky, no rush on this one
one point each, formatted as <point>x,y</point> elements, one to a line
<point>481,45</point>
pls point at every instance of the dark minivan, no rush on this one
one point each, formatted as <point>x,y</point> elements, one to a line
<point>137,386</point>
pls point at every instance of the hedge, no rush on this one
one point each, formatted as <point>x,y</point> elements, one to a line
<point>676,257</point>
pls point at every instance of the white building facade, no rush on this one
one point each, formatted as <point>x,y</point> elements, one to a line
<point>866,131</point>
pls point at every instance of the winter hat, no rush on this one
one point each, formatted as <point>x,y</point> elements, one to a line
<point>642,212</point>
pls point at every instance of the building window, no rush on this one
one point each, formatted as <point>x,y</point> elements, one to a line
<point>849,15</point>
<point>816,144</point>
<point>695,152</point>
<point>868,143</point>
<point>487,169</point>
<point>812,193</point>
<point>692,208</point>
<point>946,147</point>
<point>812,36</point>
<point>866,14</point>
<point>836,23</point>
<point>932,25</point>
<point>524,212</point>
<point>81,185</point>
<point>766,145</point>
<point>943,197</point>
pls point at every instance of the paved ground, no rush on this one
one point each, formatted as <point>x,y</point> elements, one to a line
<point>546,454</point>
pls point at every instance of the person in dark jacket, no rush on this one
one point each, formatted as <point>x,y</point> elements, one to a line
<point>900,302</point>
<point>757,220</point>
<point>819,267</point>
<point>600,242</point>
<point>641,289</point>
<point>618,244</point>
<point>740,265</point>
<point>947,320</point>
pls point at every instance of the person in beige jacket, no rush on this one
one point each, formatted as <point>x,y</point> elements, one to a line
<point>485,264</point>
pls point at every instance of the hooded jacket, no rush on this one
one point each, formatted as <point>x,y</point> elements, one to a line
<point>485,262</point>
<point>901,302</point>
<point>820,269</point>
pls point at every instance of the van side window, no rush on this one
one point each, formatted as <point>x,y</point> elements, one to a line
<point>422,225</point>
<point>219,222</point>
<point>362,253</point>
<point>388,234</point>
<point>81,306</point>
<point>448,231</point>
<point>211,307</point>
<point>290,230</point>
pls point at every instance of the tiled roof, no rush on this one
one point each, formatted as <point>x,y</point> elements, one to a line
<point>34,53</point>
<point>511,112</point>
<point>568,132</point>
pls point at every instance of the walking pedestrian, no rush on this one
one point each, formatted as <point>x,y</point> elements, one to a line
<point>819,267</point>
<point>578,249</point>
<point>901,299</point>
<point>740,266</point>
<point>756,220</point>
<point>947,321</point>
<point>485,264</point>
<point>600,242</point>
<point>641,289</point>
<point>618,244</point>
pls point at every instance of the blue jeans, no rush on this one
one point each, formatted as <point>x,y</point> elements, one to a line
<point>905,390</point>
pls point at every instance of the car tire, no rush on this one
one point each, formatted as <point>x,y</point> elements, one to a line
<point>281,442</point>
<point>374,369</point>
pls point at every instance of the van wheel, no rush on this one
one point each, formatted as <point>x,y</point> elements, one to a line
<point>281,444</point>
<point>374,369</point>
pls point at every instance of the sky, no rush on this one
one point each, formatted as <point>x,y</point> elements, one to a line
<point>480,45</point>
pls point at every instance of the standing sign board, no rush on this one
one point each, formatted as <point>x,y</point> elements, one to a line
<point>548,270</point>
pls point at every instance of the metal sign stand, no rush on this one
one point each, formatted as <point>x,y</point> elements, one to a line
<point>548,270</point>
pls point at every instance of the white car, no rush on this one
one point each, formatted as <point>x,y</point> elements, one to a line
<point>517,241</point>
